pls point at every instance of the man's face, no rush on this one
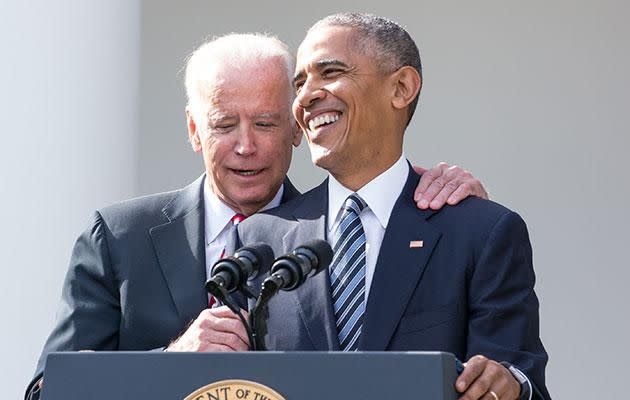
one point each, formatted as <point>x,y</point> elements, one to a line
<point>246,133</point>
<point>342,102</point>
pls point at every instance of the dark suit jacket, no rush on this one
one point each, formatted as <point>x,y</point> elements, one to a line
<point>137,274</point>
<point>468,290</point>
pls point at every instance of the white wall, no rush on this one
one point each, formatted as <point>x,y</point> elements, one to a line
<point>532,96</point>
<point>68,120</point>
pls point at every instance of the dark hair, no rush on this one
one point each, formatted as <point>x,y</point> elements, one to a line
<point>389,43</point>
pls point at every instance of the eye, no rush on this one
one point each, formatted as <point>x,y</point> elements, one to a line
<point>223,128</point>
<point>332,72</point>
<point>298,85</point>
<point>265,124</point>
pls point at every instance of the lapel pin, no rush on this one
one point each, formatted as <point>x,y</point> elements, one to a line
<point>414,244</point>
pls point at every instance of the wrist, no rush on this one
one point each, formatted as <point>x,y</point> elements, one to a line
<point>525,386</point>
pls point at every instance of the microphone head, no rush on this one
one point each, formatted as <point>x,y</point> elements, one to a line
<point>322,251</point>
<point>260,254</point>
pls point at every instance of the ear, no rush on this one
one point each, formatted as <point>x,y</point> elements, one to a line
<point>407,84</point>
<point>297,134</point>
<point>193,132</point>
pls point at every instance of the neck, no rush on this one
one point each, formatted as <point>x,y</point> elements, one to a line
<point>358,176</point>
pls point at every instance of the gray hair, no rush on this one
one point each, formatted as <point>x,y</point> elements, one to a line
<point>236,49</point>
<point>388,43</point>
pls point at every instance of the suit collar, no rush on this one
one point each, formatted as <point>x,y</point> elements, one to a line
<point>380,193</point>
<point>290,192</point>
<point>179,246</point>
<point>399,268</point>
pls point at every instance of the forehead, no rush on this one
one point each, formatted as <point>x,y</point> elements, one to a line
<point>258,87</point>
<point>327,42</point>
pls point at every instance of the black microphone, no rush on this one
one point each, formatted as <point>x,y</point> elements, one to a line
<point>287,273</point>
<point>231,273</point>
<point>290,271</point>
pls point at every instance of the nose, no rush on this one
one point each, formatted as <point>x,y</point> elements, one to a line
<point>246,142</point>
<point>310,92</point>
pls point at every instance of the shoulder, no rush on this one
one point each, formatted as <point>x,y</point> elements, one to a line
<point>298,206</point>
<point>141,211</point>
<point>309,205</point>
<point>156,209</point>
<point>478,221</point>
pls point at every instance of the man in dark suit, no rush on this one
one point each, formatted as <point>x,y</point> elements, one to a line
<point>459,279</point>
<point>136,277</point>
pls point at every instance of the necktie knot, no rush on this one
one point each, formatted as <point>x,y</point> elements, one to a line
<point>238,218</point>
<point>354,203</point>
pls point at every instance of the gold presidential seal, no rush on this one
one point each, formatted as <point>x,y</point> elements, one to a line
<point>234,389</point>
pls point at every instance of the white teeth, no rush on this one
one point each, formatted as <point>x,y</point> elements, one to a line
<point>249,173</point>
<point>321,120</point>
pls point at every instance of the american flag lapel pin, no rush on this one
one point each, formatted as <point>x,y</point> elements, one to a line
<point>415,244</point>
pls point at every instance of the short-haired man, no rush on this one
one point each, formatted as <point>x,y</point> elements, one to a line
<point>459,279</point>
<point>136,277</point>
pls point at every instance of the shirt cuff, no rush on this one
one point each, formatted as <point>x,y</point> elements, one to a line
<point>522,379</point>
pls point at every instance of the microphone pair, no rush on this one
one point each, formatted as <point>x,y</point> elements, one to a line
<point>287,272</point>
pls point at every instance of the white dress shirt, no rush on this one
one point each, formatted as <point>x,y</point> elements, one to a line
<point>380,194</point>
<point>218,223</point>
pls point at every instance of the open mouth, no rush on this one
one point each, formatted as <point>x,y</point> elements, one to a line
<point>247,172</point>
<point>324,119</point>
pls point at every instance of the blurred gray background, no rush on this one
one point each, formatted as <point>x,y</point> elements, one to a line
<point>532,97</point>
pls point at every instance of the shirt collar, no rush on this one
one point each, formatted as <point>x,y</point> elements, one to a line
<point>380,193</point>
<point>218,214</point>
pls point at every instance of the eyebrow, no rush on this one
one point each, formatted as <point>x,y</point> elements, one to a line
<point>268,115</point>
<point>319,65</point>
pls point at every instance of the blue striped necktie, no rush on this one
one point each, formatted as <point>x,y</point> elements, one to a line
<point>347,273</point>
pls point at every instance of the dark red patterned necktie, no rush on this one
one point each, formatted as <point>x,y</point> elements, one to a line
<point>236,219</point>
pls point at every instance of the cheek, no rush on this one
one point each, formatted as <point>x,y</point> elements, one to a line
<point>279,151</point>
<point>215,151</point>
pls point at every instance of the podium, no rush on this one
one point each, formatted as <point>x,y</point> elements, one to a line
<point>250,376</point>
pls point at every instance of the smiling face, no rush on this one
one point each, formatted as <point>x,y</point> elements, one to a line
<point>246,133</point>
<point>344,106</point>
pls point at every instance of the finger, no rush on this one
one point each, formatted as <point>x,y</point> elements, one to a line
<point>447,190</point>
<point>231,340</point>
<point>427,178</point>
<point>472,370</point>
<point>469,185</point>
<point>458,195</point>
<point>225,325</point>
<point>489,379</point>
<point>505,386</point>
<point>225,312</point>
<point>215,347</point>
<point>419,170</point>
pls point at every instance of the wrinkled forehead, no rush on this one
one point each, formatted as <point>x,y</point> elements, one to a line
<point>251,86</point>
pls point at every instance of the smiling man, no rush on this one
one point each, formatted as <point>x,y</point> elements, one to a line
<point>136,279</point>
<point>459,279</point>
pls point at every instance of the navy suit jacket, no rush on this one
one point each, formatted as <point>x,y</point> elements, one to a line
<point>137,275</point>
<point>468,290</point>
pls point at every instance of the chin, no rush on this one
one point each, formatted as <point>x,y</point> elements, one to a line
<point>322,157</point>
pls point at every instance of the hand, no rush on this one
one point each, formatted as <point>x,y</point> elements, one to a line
<point>215,329</point>
<point>445,184</point>
<point>481,376</point>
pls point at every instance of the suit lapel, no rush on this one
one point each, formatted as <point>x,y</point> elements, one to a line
<point>179,245</point>
<point>399,268</point>
<point>313,297</point>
